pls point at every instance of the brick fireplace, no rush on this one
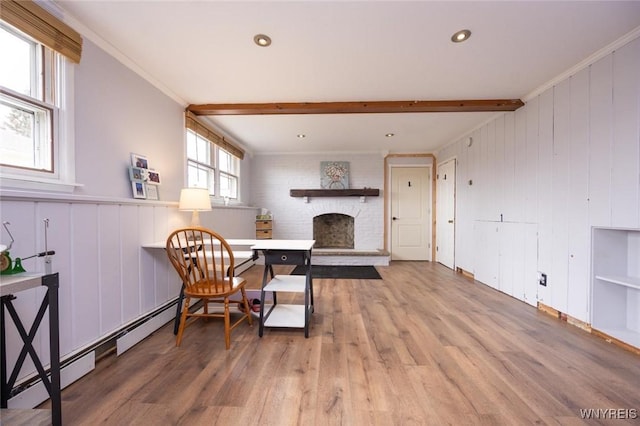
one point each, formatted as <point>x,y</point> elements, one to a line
<point>345,232</point>
<point>279,175</point>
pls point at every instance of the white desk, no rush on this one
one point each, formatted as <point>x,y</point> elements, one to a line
<point>242,258</point>
<point>9,285</point>
<point>286,252</point>
<point>233,242</point>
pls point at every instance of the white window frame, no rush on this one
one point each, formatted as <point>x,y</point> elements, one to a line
<point>207,165</point>
<point>232,175</point>
<point>214,166</point>
<point>62,179</point>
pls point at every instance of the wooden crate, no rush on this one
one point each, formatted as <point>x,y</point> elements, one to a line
<point>263,224</point>
<point>263,234</point>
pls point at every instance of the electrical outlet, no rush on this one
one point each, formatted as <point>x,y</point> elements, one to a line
<point>542,279</point>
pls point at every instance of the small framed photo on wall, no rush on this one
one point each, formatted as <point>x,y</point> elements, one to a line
<point>152,191</point>
<point>139,190</point>
<point>139,161</point>
<point>137,174</point>
<point>153,177</point>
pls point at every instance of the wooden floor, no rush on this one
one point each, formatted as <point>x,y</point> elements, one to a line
<point>422,346</point>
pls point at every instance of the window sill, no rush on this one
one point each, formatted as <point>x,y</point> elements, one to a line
<point>45,185</point>
<point>221,205</point>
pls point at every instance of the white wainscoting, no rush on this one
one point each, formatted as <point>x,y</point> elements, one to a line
<point>107,280</point>
<point>567,161</point>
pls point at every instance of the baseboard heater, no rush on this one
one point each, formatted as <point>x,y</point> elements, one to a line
<point>31,392</point>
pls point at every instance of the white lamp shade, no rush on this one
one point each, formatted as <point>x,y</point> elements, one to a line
<point>194,199</point>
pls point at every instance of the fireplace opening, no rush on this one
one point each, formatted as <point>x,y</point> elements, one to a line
<point>333,230</point>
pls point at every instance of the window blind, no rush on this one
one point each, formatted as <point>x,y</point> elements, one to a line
<point>33,20</point>
<point>203,130</point>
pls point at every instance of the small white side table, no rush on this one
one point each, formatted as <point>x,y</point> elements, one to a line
<point>286,252</point>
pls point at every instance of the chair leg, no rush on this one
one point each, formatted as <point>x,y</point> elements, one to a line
<point>227,324</point>
<point>176,324</point>
<point>183,320</point>
<point>246,306</point>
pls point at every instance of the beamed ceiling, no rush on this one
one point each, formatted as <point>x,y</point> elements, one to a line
<point>345,74</point>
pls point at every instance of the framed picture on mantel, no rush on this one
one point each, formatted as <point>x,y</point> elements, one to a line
<point>334,174</point>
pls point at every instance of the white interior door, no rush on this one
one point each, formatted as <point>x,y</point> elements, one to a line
<point>411,213</point>
<point>446,213</point>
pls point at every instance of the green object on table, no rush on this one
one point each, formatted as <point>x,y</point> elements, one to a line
<point>17,266</point>
<point>5,263</point>
<point>10,267</point>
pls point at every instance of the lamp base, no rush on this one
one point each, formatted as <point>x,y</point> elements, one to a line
<point>195,219</point>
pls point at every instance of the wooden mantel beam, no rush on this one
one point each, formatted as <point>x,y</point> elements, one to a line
<point>481,105</point>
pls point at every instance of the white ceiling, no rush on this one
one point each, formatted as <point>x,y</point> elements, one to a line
<point>202,52</point>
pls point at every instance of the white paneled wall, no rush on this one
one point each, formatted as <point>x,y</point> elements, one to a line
<point>107,279</point>
<point>566,161</point>
<point>625,200</point>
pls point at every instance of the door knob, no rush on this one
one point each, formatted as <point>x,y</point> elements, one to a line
<point>394,218</point>
<point>450,220</point>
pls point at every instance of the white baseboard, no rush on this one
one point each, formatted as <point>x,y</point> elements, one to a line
<point>136,335</point>
<point>243,267</point>
<point>37,394</point>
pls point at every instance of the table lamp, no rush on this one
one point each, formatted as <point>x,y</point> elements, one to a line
<point>196,200</point>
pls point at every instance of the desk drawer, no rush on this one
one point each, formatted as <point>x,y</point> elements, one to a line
<point>284,257</point>
<point>263,234</point>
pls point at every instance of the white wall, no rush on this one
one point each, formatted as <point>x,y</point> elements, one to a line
<point>118,112</point>
<point>274,175</point>
<point>566,161</point>
<point>106,278</point>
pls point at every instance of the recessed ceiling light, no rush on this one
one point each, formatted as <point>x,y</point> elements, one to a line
<point>461,36</point>
<point>390,135</point>
<point>301,135</point>
<point>262,40</point>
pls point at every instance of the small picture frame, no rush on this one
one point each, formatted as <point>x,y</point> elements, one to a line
<point>139,161</point>
<point>153,177</point>
<point>137,174</point>
<point>334,174</point>
<point>139,190</point>
<point>152,191</point>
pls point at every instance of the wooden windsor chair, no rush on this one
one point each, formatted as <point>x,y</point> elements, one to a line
<point>205,263</point>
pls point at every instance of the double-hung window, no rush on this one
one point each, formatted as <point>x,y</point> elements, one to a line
<point>212,162</point>
<point>26,107</point>
<point>201,162</point>
<point>36,115</point>
<point>228,165</point>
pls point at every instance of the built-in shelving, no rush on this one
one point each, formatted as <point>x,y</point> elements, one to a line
<point>631,282</point>
<point>615,295</point>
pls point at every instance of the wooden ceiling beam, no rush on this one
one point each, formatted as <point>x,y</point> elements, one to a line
<point>481,105</point>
